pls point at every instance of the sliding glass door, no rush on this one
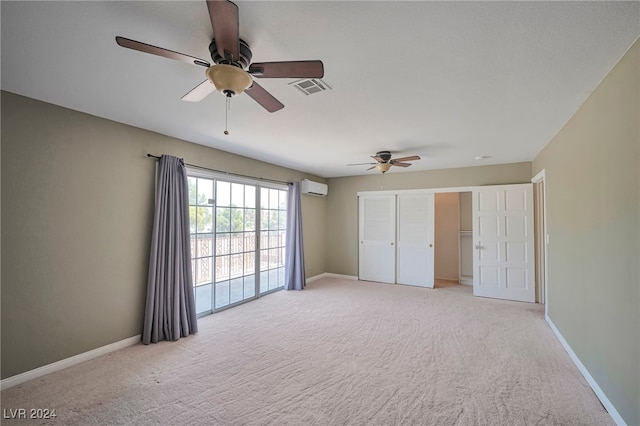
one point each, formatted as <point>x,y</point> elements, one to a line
<point>273,222</point>
<point>201,224</point>
<point>235,237</point>
<point>234,227</point>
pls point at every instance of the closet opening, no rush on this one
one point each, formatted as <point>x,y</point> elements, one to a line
<point>453,236</point>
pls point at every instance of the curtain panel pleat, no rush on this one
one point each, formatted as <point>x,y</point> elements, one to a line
<point>294,253</point>
<point>170,307</point>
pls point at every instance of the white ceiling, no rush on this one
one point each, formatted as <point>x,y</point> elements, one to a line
<point>448,81</point>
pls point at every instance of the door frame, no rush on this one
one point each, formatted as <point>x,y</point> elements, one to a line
<point>417,191</point>
<point>542,238</point>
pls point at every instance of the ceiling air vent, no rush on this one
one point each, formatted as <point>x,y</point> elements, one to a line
<point>309,86</point>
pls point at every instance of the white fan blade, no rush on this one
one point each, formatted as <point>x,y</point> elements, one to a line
<point>199,92</point>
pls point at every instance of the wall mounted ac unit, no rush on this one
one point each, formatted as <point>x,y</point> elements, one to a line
<point>313,188</point>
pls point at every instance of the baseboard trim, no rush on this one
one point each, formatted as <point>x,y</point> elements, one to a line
<point>466,280</point>
<point>453,279</point>
<point>592,382</point>
<point>67,362</point>
<point>331,275</point>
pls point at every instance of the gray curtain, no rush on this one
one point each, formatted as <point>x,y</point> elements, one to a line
<point>294,258</point>
<point>170,312</point>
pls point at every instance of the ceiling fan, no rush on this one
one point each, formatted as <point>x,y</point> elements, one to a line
<point>384,161</point>
<point>232,72</point>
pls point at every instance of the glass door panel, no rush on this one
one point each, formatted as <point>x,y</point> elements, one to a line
<point>236,239</point>
<point>202,241</point>
<point>273,203</point>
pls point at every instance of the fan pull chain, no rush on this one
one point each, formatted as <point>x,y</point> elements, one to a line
<point>226,115</point>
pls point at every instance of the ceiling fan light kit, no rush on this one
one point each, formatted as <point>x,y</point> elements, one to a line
<point>228,79</point>
<point>383,167</point>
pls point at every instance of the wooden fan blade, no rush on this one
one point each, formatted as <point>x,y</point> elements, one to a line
<point>159,51</point>
<point>264,98</point>
<point>371,168</point>
<point>401,159</point>
<point>225,23</point>
<point>289,69</point>
<point>378,159</point>
<point>199,92</point>
<point>395,163</point>
<point>361,164</point>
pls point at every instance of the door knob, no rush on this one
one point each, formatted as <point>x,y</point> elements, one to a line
<point>430,245</point>
<point>391,243</point>
<point>477,247</point>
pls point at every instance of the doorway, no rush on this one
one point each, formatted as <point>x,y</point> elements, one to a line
<point>541,239</point>
<point>453,239</point>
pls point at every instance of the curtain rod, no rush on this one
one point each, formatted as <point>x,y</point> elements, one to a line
<point>223,172</point>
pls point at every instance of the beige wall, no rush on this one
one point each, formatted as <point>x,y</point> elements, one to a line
<point>77,198</point>
<point>447,236</point>
<point>592,170</point>
<point>466,211</point>
<point>342,201</point>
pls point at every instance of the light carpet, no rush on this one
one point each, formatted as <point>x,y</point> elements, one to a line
<point>340,352</point>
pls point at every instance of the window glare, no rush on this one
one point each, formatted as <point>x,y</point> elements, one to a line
<point>237,195</point>
<point>273,198</point>
<point>250,196</point>
<point>223,193</point>
<point>205,192</point>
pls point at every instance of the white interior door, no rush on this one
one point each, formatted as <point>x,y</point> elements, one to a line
<point>377,254</point>
<point>503,238</point>
<point>415,232</point>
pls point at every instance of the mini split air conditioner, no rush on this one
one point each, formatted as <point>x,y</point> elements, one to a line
<point>313,188</point>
